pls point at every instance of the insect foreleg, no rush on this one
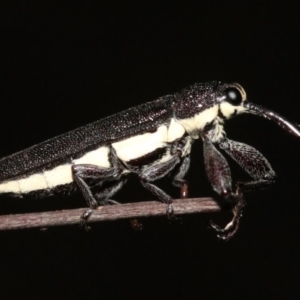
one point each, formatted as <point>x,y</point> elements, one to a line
<point>156,172</point>
<point>257,166</point>
<point>217,169</point>
<point>219,175</point>
<point>253,162</point>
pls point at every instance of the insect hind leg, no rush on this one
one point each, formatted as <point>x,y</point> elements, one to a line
<point>83,172</point>
<point>103,197</point>
<point>156,172</point>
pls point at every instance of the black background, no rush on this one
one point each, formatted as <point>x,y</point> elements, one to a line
<point>65,64</point>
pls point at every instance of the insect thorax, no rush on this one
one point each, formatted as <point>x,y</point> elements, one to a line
<point>214,131</point>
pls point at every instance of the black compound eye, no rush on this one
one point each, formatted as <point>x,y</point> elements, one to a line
<point>233,96</point>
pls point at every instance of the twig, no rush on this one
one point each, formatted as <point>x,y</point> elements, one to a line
<point>107,213</point>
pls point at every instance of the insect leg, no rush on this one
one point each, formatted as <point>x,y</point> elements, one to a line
<point>256,165</point>
<point>179,175</point>
<point>103,197</point>
<point>219,175</point>
<point>156,172</point>
<point>217,169</point>
<point>84,171</point>
<point>253,162</point>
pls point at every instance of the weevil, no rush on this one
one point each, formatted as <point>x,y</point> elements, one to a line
<point>151,140</point>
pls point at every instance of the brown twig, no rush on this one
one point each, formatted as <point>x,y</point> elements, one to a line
<point>107,213</point>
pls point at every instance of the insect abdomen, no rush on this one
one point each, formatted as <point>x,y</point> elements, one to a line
<point>52,178</point>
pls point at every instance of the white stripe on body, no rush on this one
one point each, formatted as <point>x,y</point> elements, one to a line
<point>140,145</point>
<point>175,131</point>
<point>131,148</point>
<point>59,175</point>
<point>228,109</point>
<point>197,123</point>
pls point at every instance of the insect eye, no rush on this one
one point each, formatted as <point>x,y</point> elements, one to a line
<point>233,96</point>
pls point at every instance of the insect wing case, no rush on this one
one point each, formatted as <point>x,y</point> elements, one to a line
<point>136,120</point>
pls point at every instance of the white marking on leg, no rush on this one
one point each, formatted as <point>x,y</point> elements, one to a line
<point>187,147</point>
<point>137,146</point>
<point>165,158</point>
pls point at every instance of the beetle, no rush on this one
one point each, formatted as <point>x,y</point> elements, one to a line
<point>150,140</point>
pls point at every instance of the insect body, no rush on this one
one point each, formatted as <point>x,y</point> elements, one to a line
<point>149,140</point>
